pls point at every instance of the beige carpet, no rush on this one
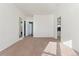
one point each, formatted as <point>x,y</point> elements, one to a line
<point>38,47</point>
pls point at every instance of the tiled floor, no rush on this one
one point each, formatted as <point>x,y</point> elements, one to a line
<point>38,47</point>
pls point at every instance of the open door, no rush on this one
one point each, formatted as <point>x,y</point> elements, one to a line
<point>20,27</point>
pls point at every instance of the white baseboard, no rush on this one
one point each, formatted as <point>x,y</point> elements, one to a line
<point>8,45</point>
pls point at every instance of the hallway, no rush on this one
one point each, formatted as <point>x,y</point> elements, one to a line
<point>38,47</point>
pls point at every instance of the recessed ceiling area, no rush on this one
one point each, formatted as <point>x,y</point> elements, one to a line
<point>36,8</point>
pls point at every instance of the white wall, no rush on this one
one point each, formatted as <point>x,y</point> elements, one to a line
<point>70,23</point>
<point>9,26</point>
<point>43,26</point>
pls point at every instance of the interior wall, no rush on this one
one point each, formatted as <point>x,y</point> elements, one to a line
<point>9,26</point>
<point>70,23</point>
<point>43,26</point>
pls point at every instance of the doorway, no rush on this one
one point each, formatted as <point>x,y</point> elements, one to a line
<point>24,28</point>
<point>30,28</point>
<point>59,28</point>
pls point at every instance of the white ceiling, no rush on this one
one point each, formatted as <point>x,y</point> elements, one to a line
<point>36,8</point>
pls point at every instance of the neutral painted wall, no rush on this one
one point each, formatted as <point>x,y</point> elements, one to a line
<point>9,26</point>
<point>43,26</point>
<point>70,23</point>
